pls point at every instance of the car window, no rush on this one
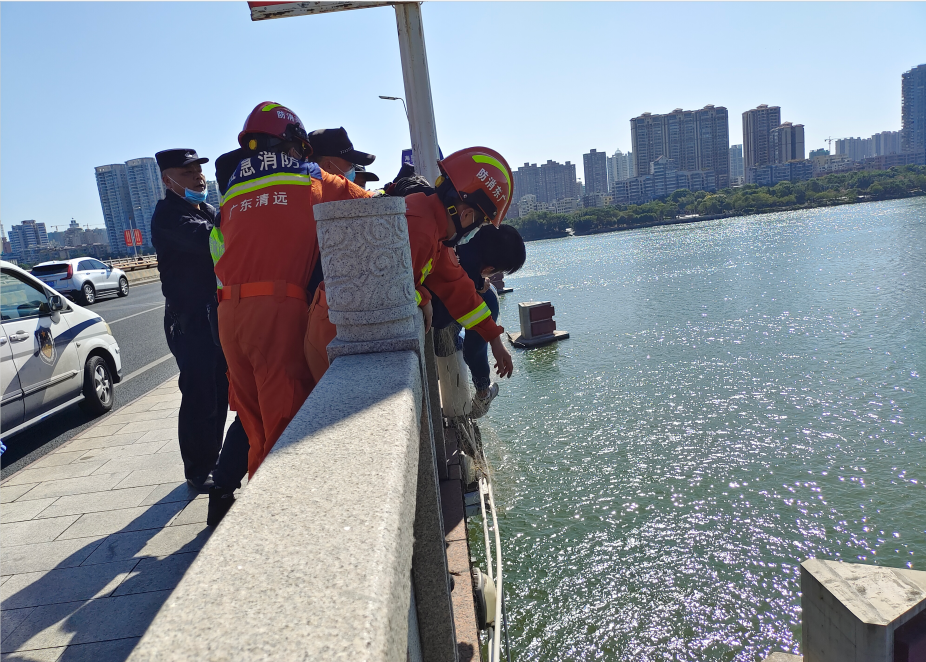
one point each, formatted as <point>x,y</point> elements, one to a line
<point>97,264</point>
<point>19,299</point>
<point>85,265</point>
<point>49,269</point>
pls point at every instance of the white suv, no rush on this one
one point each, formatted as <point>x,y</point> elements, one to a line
<point>82,278</point>
<point>53,354</point>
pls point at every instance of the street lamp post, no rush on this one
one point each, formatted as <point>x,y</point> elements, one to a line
<point>397,99</point>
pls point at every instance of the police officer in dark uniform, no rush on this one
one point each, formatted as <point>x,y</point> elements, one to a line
<point>180,230</point>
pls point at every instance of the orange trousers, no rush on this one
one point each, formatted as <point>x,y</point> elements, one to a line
<point>263,338</point>
<point>319,333</point>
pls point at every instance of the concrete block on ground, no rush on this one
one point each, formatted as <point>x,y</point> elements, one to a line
<point>167,492</point>
<point>35,530</point>
<point>194,513</point>
<point>148,477</point>
<point>101,431</point>
<point>74,623</point>
<point>164,434</point>
<point>20,511</point>
<point>150,542</point>
<point>78,504</point>
<point>73,487</point>
<point>13,492</point>
<point>41,655</point>
<point>124,520</point>
<point>119,452</point>
<point>147,426</point>
<point>130,463</point>
<point>103,441</point>
<point>10,619</point>
<point>64,584</point>
<point>47,555</point>
<point>783,657</point>
<point>156,574</point>
<point>850,611</point>
<point>56,459</point>
<point>101,651</point>
<point>53,473</point>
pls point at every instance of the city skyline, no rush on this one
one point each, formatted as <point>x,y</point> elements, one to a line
<point>45,56</point>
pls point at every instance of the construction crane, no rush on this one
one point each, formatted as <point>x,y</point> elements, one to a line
<point>829,141</point>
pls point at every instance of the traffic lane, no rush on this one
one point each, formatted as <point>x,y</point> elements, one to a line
<point>142,347</point>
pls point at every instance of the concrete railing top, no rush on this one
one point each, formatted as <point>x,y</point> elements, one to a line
<point>313,561</point>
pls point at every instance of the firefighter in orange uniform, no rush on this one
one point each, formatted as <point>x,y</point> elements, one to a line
<point>271,255</point>
<point>475,186</point>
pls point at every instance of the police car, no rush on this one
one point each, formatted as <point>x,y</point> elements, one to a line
<point>53,354</point>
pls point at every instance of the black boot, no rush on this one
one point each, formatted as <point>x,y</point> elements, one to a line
<point>220,500</point>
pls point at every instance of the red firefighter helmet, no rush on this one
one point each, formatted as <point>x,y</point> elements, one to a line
<point>275,120</point>
<point>482,178</point>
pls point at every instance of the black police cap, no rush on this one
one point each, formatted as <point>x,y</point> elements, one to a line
<point>334,142</point>
<point>177,158</point>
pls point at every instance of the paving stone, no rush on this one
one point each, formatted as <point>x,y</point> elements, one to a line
<point>54,473</point>
<point>156,574</point>
<point>168,492</point>
<point>142,477</point>
<point>138,463</point>
<point>10,619</point>
<point>78,504</point>
<point>55,459</point>
<point>123,520</point>
<point>143,404</point>
<point>102,651</point>
<point>40,655</point>
<point>103,442</point>
<point>73,486</point>
<point>151,415</point>
<point>13,492</point>
<point>115,452</point>
<point>82,622</point>
<point>3,579</point>
<point>194,513</point>
<point>166,434</point>
<point>146,426</point>
<point>151,542</point>
<point>47,555</point>
<point>20,511</point>
<point>35,530</point>
<point>64,584</point>
<point>173,403</point>
<point>102,431</point>
<point>172,446</point>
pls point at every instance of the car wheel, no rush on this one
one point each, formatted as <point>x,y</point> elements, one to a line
<point>87,294</point>
<point>99,392</point>
<point>123,287</point>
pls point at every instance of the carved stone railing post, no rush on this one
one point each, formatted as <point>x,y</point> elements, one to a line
<point>370,288</point>
<point>369,282</point>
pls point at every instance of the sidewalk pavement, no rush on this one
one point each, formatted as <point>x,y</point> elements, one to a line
<point>96,535</point>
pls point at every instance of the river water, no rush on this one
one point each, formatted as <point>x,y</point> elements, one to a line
<point>736,396</point>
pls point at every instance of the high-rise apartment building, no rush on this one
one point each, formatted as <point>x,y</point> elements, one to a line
<point>913,109</point>
<point>28,236</point>
<point>116,200</point>
<point>527,181</point>
<point>596,172</point>
<point>886,142</point>
<point>736,162</point>
<point>212,194</point>
<point>550,182</point>
<point>693,139</point>
<point>145,189</point>
<point>620,167</point>
<point>757,127</point>
<point>787,143</point>
<point>855,148</point>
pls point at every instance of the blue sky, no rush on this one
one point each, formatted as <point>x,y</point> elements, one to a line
<point>86,84</point>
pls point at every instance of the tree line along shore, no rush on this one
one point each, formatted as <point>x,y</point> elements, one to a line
<point>684,206</point>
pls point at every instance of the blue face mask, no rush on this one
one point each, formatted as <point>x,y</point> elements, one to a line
<point>351,174</point>
<point>193,197</point>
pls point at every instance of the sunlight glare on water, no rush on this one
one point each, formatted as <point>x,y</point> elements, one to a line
<point>736,396</point>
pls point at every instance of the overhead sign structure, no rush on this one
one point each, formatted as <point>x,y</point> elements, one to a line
<point>421,123</point>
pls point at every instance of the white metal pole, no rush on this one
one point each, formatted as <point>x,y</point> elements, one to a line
<point>421,123</point>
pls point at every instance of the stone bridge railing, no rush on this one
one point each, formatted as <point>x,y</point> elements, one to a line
<point>335,551</point>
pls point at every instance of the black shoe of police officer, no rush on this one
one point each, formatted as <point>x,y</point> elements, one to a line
<point>220,500</point>
<point>200,485</point>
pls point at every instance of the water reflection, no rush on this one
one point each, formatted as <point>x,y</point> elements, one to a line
<point>735,397</point>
